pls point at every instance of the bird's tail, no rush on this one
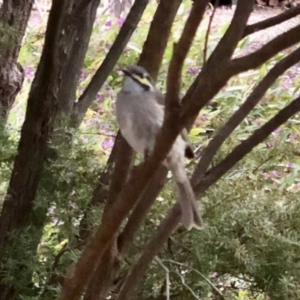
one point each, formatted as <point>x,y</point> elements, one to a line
<point>189,212</point>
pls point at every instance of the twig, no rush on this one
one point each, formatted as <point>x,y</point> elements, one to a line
<point>198,272</point>
<point>150,251</point>
<point>160,263</point>
<point>208,31</point>
<point>291,13</point>
<point>180,52</point>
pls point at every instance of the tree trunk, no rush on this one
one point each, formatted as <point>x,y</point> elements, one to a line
<point>53,91</point>
<point>14,16</point>
<point>36,132</point>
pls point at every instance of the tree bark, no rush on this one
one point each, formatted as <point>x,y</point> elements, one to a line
<point>52,91</point>
<point>11,81</point>
<point>36,132</point>
<point>78,30</point>
<point>14,17</point>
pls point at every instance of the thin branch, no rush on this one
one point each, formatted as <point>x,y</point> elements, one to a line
<point>234,33</point>
<point>142,208</point>
<point>290,13</point>
<point>150,251</point>
<point>181,50</point>
<point>77,278</point>
<point>157,39</point>
<point>186,285</point>
<point>110,60</point>
<point>247,145</point>
<point>160,263</point>
<point>198,272</point>
<point>254,60</point>
<point>208,31</point>
<point>242,112</point>
<point>100,195</point>
<point>210,79</point>
<point>171,127</point>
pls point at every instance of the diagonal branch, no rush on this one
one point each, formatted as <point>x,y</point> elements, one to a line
<point>181,50</point>
<point>110,60</point>
<point>199,273</point>
<point>150,251</point>
<point>247,145</point>
<point>289,14</point>
<point>151,58</point>
<point>254,60</point>
<point>157,39</point>
<point>171,127</point>
<point>211,80</point>
<point>234,33</point>
<point>171,221</point>
<point>77,278</point>
<point>208,30</point>
<point>242,112</point>
<point>142,208</point>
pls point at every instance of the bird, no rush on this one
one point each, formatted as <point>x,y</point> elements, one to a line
<point>140,113</point>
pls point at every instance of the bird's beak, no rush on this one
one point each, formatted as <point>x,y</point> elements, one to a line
<point>126,72</point>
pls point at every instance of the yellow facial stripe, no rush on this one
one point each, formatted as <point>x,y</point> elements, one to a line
<point>144,81</point>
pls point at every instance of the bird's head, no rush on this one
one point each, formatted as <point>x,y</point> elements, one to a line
<point>137,79</point>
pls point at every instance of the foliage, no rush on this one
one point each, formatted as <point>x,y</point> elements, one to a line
<point>249,246</point>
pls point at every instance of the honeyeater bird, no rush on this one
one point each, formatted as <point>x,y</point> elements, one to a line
<point>140,114</point>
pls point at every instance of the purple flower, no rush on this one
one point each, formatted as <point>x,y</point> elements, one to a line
<point>83,75</point>
<point>292,137</point>
<point>214,275</point>
<point>269,144</point>
<point>193,70</point>
<point>121,22</point>
<point>99,96</point>
<point>266,175</point>
<point>274,173</point>
<point>107,143</point>
<point>276,131</point>
<point>29,72</point>
<point>108,24</point>
<point>290,165</point>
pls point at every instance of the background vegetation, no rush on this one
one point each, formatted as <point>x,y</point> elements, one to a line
<point>249,246</point>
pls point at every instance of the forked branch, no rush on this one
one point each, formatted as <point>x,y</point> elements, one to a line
<point>289,14</point>
<point>242,112</point>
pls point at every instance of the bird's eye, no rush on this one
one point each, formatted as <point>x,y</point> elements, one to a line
<point>141,75</point>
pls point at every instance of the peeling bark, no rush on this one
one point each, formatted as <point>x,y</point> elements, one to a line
<point>14,17</point>
<point>11,81</point>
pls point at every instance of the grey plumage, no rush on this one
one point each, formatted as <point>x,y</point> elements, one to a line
<point>140,115</point>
